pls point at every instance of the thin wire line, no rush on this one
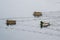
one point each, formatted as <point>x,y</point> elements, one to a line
<point>38,32</point>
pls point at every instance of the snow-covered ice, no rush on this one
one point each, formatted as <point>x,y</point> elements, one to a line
<point>28,28</point>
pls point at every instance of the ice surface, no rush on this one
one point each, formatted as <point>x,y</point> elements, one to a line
<point>28,28</point>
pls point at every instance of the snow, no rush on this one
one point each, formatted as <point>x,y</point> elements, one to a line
<point>28,28</point>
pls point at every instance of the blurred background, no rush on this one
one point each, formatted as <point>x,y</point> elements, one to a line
<point>25,8</point>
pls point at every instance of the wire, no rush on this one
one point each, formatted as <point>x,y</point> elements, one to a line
<point>38,32</point>
<point>32,18</point>
<point>15,18</point>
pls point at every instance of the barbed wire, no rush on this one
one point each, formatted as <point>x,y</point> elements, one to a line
<point>34,19</point>
<point>58,30</point>
<point>30,17</point>
<point>39,32</point>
